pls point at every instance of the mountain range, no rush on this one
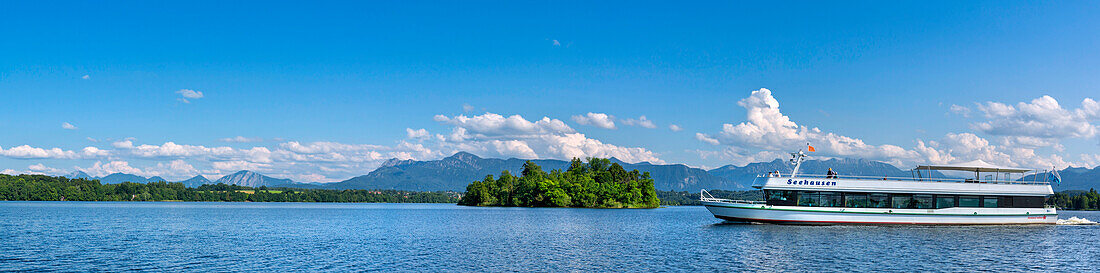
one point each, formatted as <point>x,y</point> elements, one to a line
<point>242,178</point>
<point>456,171</point>
<point>116,178</point>
<point>453,173</point>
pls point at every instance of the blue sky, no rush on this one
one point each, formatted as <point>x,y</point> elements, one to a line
<point>326,91</point>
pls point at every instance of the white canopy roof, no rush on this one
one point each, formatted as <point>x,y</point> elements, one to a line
<point>973,166</point>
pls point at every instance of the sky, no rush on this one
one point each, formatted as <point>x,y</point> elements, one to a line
<point>325,91</point>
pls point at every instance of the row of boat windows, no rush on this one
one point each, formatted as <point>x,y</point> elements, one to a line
<point>897,201</point>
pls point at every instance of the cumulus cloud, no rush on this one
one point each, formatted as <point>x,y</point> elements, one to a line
<point>242,139</point>
<point>960,110</point>
<point>1043,117</point>
<point>493,135</point>
<point>86,77</point>
<point>1090,160</point>
<point>640,121</point>
<point>188,94</point>
<point>68,126</point>
<point>43,169</point>
<point>417,134</point>
<point>600,120</point>
<point>706,139</point>
<point>766,129</point>
<point>675,128</point>
<point>490,135</point>
<point>494,124</point>
<point>28,152</point>
<point>103,169</point>
<point>334,161</point>
<point>466,107</point>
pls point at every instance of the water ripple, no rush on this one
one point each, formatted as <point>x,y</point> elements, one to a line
<point>109,236</point>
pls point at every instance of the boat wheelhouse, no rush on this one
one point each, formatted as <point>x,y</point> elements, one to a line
<point>927,197</point>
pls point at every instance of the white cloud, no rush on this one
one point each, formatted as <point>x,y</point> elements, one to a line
<point>596,119</point>
<point>675,128</point>
<point>417,134</point>
<point>124,144</point>
<point>44,169</point>
<point>1043,118</point>
<point>492,135</point>
<point>960,110</point>
<point>556,43</point>
<point>641,121</point>
<point>86,77</point>
<point>487,135</point>
<point>28,152</point>
<point>706,139</point>
<point>189,94</point>
<point>466,107</point>
<point>117,166</point>
<point>769,130</point>
<point>1090,160</point>
<point>68,126</point>
<point>91,139</point>
<point>493,124</point>
<point>242,139</point>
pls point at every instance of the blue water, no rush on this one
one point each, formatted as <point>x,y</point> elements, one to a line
<point>110,236</point>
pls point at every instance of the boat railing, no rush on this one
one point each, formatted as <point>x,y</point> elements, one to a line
<point>908,179</point>
<point>705,196</point>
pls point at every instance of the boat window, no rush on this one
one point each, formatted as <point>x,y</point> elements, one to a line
<point>945,201</point>
<point>830,199</point>
<point>879,200</point>
<point>923,201</point>
<point>901,201</point>
<point>989,202</point>
<point>781,198</point>
<point>856,200</point>
<point>968,201</point>
<point>808,199</point>
<point>1027,202</point>
<point>1005,202</point>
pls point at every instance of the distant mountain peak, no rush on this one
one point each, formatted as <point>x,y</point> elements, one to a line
<point>393,162</point>
<point>464,156</point>
<point>252,179</point>
<point>196,181</point>
<point>78,174</point>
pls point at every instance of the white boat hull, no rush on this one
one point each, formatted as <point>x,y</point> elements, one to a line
<point>759,213</point>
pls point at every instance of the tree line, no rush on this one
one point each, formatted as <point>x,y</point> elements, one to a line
<point>597,183</point>
<point>50,188</point>
<point>1076,200</point>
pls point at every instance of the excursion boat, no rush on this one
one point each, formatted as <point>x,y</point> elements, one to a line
<point>922,199</point>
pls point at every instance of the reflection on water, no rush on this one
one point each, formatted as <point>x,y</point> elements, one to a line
<point>420,237</point>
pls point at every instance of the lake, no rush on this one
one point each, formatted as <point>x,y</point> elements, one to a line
<point>167,236</point>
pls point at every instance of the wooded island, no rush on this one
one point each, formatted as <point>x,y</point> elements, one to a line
<point>597,183</point>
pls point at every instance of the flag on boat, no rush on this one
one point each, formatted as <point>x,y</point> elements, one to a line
<point>812,148</point>
<point>1056,177</point>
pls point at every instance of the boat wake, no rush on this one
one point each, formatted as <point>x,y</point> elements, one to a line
<point>1076,221</point>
